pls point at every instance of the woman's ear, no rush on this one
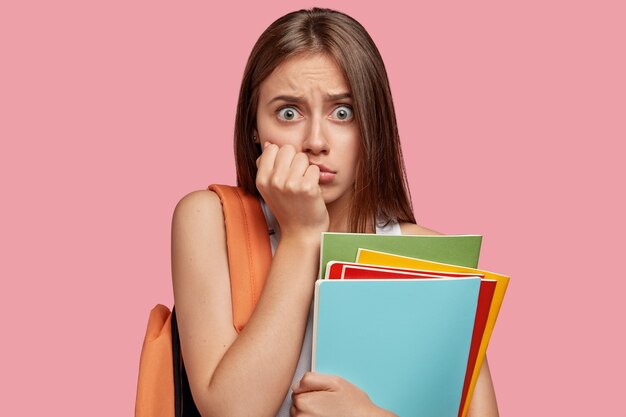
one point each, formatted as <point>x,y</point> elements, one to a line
<point>256,141</point>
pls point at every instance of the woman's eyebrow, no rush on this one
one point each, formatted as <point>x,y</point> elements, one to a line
<point>333,97</point>
<point>291,99</point>
<point>299,99</point>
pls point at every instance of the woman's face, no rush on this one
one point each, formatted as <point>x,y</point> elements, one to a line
<point>306,103</point>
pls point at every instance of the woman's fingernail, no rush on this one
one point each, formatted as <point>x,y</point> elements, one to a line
<point>266,144</point>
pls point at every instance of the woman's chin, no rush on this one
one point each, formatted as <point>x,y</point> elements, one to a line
<point>333,195</point>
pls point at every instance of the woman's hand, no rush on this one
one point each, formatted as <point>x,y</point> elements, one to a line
<point>290,187</point>
<point>329,395</point>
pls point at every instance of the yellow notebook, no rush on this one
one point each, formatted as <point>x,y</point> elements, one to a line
<point>366,256</point>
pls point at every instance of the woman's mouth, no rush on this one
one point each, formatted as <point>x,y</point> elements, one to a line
<point>327,175</point>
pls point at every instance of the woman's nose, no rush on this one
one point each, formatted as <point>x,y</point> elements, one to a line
<point>315,140</point>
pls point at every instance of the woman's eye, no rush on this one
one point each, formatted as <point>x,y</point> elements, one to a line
<point>288,113</point>
<point>343,112</point>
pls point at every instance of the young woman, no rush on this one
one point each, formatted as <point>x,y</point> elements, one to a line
<point>316,140</point>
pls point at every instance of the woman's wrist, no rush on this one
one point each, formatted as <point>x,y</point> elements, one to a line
<point>302,238</point>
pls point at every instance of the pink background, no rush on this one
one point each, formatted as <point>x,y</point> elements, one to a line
<point>510,117</point>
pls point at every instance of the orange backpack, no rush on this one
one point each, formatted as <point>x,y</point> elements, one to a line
<point>162,388</point>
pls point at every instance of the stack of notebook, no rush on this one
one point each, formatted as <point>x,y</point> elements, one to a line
<point>405,318</point>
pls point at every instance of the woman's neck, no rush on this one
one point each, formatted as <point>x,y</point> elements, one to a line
<point>338,218</point>
<point>338,215</point>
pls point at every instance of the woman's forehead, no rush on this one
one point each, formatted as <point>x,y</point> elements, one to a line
<point>305,74</point>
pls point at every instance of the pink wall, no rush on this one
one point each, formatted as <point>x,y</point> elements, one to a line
<point>510,117</point>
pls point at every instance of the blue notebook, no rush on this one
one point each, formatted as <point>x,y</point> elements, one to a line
<point>404,342</point>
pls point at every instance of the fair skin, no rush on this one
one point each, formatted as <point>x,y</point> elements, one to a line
<point>305,174</point>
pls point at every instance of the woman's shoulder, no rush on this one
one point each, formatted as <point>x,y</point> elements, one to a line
<point>198,240</point>
<point>198,197</point>
<point>199,200</point>
<point>416,229</point>
<point>198,209</point>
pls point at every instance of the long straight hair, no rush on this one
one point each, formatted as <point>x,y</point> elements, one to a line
<point>381,190</point>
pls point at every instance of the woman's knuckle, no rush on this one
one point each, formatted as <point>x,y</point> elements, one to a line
<point>277,182</point>
<point>291,186</point>
<point>307,376</point>
<point>307,188</point>
<point>302,401</point>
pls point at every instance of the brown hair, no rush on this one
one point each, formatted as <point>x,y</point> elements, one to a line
<point>381,189</point>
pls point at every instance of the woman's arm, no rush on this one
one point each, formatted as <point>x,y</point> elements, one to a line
<point>483,403</point>
<point>249,373</point>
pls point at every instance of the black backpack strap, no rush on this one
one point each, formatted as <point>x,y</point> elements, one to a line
<point>184,406</point>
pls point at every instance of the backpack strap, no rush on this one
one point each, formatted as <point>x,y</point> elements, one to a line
<point>249,250</point>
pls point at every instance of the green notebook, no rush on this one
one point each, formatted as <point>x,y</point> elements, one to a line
<point>456,250</point>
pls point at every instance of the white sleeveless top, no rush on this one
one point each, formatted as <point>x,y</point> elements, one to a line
<point>304,362</point>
